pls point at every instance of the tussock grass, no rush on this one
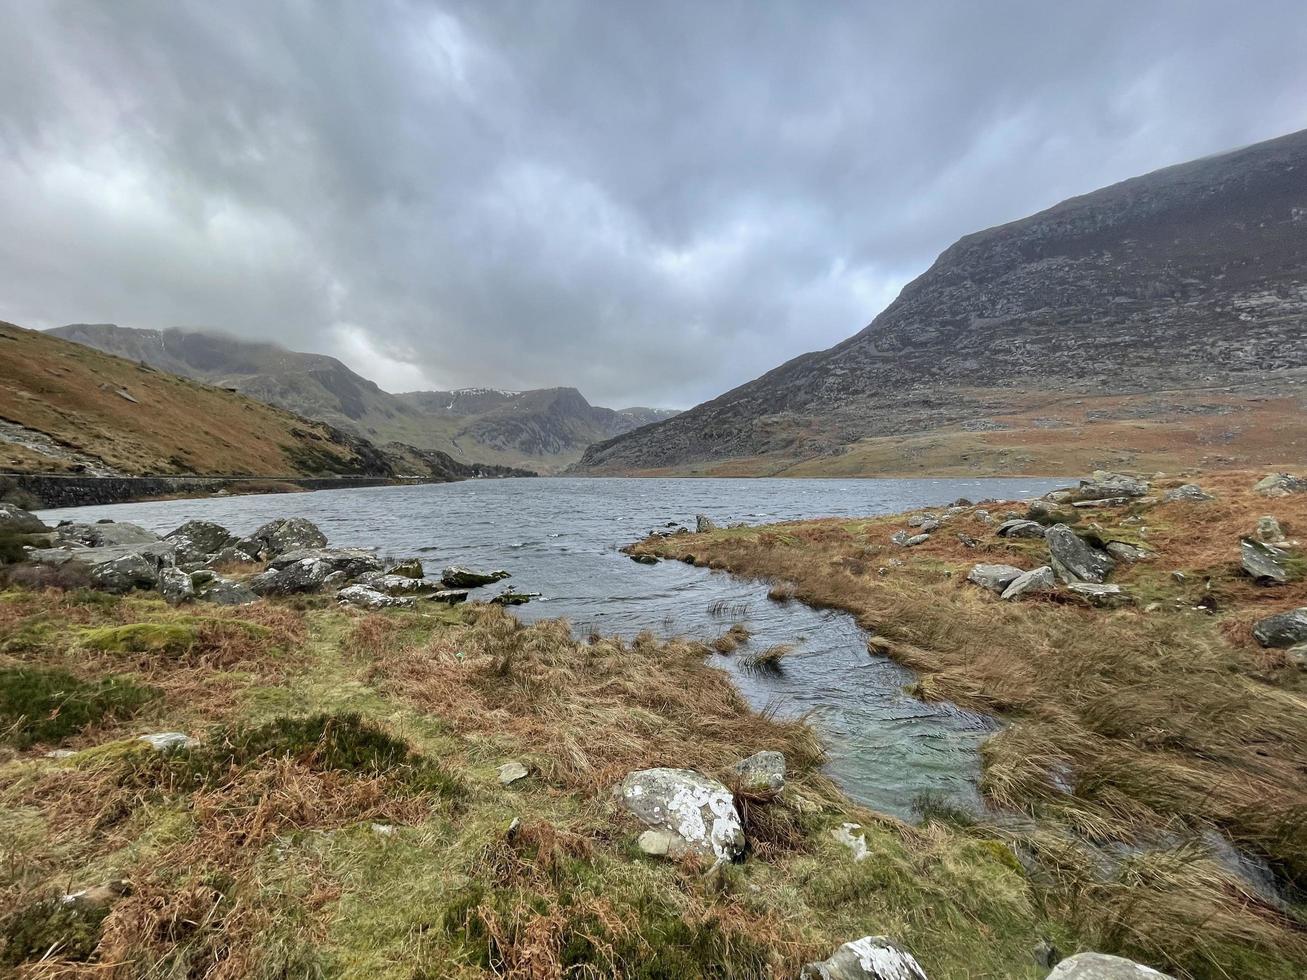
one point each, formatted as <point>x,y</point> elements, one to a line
<point>732,639</point>
<point>770,659</point>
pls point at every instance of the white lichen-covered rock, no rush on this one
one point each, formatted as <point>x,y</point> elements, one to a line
<point>1099,966</point>
<point>699,811</point>
<point>168,742</point>
<point>868,958</point>
<point>762,772</point>
<point>853,837</point>
<point>175,585</point>
<point>366,597</point>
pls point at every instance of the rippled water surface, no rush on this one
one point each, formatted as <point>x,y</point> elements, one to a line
<point>560,537</point>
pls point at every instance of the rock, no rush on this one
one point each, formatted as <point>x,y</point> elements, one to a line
<point>392,584</point>
<point>917,539</point>
<point>1280,485</point>
<point>1103,596</point>
<point>1038,580</point>
<point>366,597</point>
<point>852,836</point>
<point>458,577</point>
<point>762,772</point>
<point>996,578</point>
<point>15,520</point>
<point>1297,655</point>
<point>132,571</point>
<point>1123,551</point>
<point>306,576</point>
<point>1269,531</point>
<point>899,538</point>
<point>1073,559</point>
<point>222,591</point>
<point>703,524</point>
<point>308,569</point>
<point>168,742</point>
<point>868,958</point>
<point>448,596</point>
<point>1045,954</point>
<point>1262,562</point>
<point>698,811</point>
<point>511,772</point>
<point>1097,966</point>
<point>645,559</point>
<point>923,522</point>
<point>657,843</point>
<point>1190,491</point>
<point>1105,486</point>
<point>510,597</point>
<point>175,586</point>
<point>408,567</point>
<point>1283,630</point>
<point>282,535</point>
<point>60,754</point>
<point>352,561</point>
<point>1020,528</point>
<point>984,516</point>
<point>226,557</point>
<point>1048,512</point>
<point>197,540</point>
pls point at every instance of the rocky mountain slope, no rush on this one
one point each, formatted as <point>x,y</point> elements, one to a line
<point>66,407</point>
<point>1168,310</point>
<point>543,430</point>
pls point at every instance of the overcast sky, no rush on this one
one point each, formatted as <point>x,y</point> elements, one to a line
<point>651,201</point>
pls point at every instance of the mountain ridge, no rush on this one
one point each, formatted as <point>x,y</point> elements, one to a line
<point>1192,276</point>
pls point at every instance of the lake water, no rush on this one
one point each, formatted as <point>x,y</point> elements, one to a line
<point>560,537</point>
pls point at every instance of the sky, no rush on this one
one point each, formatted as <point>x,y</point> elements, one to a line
<point>650,201</point>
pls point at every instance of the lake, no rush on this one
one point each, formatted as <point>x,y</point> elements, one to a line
<point>560,537</point>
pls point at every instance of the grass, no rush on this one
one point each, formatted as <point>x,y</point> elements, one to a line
<point>39,705</point>
<point>342,814</point>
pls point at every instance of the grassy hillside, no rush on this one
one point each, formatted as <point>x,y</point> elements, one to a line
<point>97,412</point>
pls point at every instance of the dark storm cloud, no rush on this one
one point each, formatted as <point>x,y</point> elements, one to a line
<point>651,201</point>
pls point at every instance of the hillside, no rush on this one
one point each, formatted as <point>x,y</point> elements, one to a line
<point>544,430</point>
<point>1156,322</point>
<point>67,407</point>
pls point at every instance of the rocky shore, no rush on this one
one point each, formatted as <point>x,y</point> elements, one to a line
<point>265,755</point>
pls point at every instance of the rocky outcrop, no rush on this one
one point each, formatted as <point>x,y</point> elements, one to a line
<point>1098,966</point>
<point>366,597</point>
<point>283,535</point>
<point>308,569</point>
<point>698,813</point>
<point>868,958</point>
<point>197,541</point>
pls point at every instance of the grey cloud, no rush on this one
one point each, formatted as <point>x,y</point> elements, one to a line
<point>653,202</point>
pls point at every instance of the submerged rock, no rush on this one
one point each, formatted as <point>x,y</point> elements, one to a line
<point>996,578</point>
<point>699,812</point>
<point>1098,966</point>
<point>458,577</point>
<point>509,597</point>
<point>1037,580</point>
<point>1073,559</point>
<point>645,559</point>
<point>868,958</point>
<point>762,772</point>
<point>1283,630</point>
<point>1264,564</point>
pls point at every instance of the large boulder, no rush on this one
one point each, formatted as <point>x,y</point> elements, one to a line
<point>15,520</point>
<point>1036,580</point>
<point>1020,529</point>
<point>196,541</point>
<point>1110,486</point>
<point>366,597</point>
<point>309,569</point>
<point>352,561</point>
<point>175,585</point>
<point>283,535</point>
<point>408,567</point>
<point>131,571</point>
<point>699,813</point>
<point>1283,630</point>
<point>1280,485</point>
<point>868,958</point>
<point>221,591</point>
<point>996,578</point>
<point>762,772</point>
<point>1099,966</point>
<point>458,577</point>
<point>1261,562</point>
<point>398,585</point>
<point>105,534</point>
<point>1073,559</point>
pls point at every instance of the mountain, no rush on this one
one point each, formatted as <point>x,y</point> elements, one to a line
<point>544,430</point>
<point>1159,320</point>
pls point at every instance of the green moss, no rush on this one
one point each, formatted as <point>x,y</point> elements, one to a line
<point>170,638</point>
<point>38,705</point>
<point>70,930</point>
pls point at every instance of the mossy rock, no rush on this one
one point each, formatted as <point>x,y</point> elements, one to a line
<point>171,638</point>
<point>41,705</point>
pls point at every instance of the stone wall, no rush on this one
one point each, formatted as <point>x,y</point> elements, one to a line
<point>77,491</point>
